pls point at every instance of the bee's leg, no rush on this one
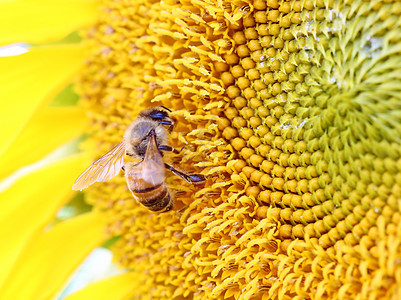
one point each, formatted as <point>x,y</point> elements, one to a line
<point>170,124</point>
<point>123,168</point>
<point>168,148</point>
<point>190,178</point>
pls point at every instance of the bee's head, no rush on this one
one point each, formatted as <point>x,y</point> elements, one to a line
<point>139,133</point>
<point>161,115</point>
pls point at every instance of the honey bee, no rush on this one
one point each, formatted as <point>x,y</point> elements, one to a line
<point>145,140</point>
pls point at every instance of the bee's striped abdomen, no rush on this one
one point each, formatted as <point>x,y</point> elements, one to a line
<point>155,198</point>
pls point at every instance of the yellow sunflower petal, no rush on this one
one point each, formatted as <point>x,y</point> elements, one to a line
<point>33,79</point>
<point>48,260</point>
<point>41,21</point>
<point>47,130</point>
<point>115,288</point>
<point>30,204</point>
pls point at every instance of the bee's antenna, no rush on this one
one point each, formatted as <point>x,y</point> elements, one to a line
<point>165,108</point>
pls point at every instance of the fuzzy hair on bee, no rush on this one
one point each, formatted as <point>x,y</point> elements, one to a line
<point>145,140</point>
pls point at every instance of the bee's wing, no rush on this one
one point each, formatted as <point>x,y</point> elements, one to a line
<point>153,169</point>
<point>105,168</point>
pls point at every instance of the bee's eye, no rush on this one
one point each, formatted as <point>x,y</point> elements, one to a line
<point>158,115</point>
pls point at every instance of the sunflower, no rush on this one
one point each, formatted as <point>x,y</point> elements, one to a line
<point>291,109</point>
